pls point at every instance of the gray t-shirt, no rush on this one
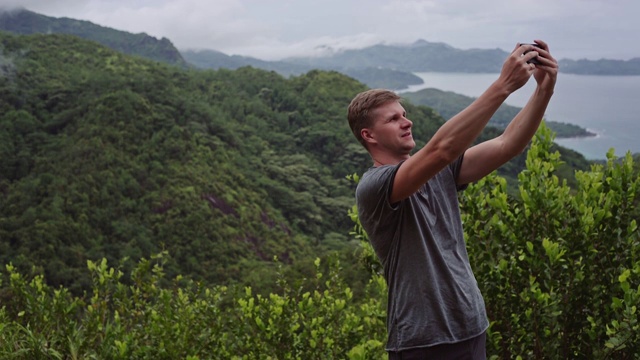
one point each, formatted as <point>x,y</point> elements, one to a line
<point>433,294</point>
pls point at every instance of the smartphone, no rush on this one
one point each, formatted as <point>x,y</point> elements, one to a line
<point>535,59</point>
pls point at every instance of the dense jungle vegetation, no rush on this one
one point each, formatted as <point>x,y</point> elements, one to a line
<point>152,211</point>
<point>105,155</point>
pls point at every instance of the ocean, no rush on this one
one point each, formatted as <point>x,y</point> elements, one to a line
<point>606,105</point>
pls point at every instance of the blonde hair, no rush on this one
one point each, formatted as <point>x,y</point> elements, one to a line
<point>361,107</point>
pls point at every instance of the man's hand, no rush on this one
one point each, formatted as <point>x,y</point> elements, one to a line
<point>546,72</point>
<point>515,70</point>
<point>485,157</point>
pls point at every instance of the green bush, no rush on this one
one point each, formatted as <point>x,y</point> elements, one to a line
<point>185,320</point>
<point>559,267</point>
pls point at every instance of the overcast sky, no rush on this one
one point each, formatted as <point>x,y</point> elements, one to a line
<point>275,29</point>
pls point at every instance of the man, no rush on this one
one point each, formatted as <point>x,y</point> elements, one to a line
<point>408,206</point>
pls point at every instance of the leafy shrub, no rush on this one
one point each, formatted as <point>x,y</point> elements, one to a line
<point>558,267</point>
<point>186,320</point>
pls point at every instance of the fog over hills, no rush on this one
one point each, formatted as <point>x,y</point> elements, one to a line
<point>382,65</point>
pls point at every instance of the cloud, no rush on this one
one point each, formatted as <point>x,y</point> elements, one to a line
<point>319,46</point>
<point>275,29</point>
<point>47,7</point>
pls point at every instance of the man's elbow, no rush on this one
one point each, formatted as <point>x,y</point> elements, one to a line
<point>447,152</point>
<point>512,150</point>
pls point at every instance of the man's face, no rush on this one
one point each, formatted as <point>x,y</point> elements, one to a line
<point>391,130</point>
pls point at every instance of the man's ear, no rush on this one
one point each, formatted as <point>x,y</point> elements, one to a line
<point>367,135</point>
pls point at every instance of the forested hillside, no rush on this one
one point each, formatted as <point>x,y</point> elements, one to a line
<point>601,66</point>
<point>25,22</point>
<point>373,77</point>
<point>105,155</point>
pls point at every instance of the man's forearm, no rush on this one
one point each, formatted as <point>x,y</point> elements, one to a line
<point>462,129</point>
<point>524,126</point>
<point>457,134</point>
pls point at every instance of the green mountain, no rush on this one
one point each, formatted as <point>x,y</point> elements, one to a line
<point>601,67</point>
<point>107,155</point>
<point>212,59</point>
<point>393,66</point>
<point>385,66</point>
<point>421,56</point>
<point>425,56</point>
<point>22,21</point>
<point>372,77</point>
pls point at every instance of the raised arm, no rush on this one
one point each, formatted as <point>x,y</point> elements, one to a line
<point>486,157</point>
<point>458,133</point>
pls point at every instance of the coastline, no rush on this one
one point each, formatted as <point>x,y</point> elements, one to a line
<point>591,134</point>
<point>578,132</point>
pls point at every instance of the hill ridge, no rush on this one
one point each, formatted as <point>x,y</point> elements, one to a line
<point>26,22</point>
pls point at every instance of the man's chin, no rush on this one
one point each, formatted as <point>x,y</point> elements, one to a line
<point>411,145</point>
<point>407,151</point>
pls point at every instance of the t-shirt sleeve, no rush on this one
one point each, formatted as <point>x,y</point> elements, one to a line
<point>377,215</point>
<point>375,188</point>
<point>455,169</point>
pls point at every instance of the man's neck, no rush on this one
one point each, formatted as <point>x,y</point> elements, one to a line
<point>380,161</point>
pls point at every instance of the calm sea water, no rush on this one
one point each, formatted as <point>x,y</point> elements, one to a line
<point>606,105</point>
